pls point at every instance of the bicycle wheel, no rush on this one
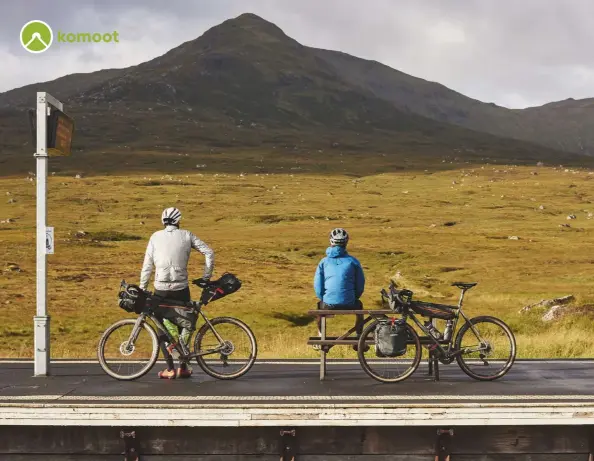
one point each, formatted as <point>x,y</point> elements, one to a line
<point>125,361</point>
<point>488,349</point>
<point>389,369</point>
<point>229,346</point>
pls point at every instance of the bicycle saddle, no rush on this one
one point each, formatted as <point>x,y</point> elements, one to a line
<point>464,285</point>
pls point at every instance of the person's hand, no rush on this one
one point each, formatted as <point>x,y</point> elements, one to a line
<point>202,282</point>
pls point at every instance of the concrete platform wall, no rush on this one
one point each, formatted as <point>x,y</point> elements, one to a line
<point>517,443</point>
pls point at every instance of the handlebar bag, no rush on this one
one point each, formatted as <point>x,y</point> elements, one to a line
<point>132,299</point>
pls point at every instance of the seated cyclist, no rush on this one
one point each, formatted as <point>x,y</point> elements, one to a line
<point>339,281</point>
<point>168,251</point>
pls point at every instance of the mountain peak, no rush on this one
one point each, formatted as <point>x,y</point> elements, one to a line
<point>245,83</point>
<point>227,38</point>
<point>252,23</point>
<point>251,18</point>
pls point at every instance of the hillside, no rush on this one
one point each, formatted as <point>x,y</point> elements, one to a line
<point>246,85</point>
<point>426,230</point>
<point>565,125</point>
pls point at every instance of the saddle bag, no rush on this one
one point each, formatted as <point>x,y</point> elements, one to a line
<point>391,338</point>
<point>227,284</point>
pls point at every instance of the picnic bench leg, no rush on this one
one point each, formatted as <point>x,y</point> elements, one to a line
<point>323,349</point>
<point>436,367</point>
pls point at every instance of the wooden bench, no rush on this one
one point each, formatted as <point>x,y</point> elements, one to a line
<point>328,342</point>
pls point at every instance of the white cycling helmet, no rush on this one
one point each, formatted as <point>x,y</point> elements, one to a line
<point>171,217</point>
<point>339,237</point>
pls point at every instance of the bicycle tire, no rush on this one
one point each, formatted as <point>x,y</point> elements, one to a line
<point>368,369</point>
<point>201,359</point>
<point>460,358</point>
<point>150,363</point>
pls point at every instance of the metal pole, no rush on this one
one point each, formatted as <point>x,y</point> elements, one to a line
<point>41,320</point>
<point>323,351</point>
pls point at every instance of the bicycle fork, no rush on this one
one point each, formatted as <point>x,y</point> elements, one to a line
<point>135,332</point>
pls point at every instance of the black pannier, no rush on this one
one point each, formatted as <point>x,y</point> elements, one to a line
<point>132,298</point>
<point>438,311</point>
<point>217,289</point>
<point>391,338</point>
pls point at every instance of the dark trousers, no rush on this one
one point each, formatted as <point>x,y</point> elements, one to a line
<point>344,307</point>
<point>177,295</point>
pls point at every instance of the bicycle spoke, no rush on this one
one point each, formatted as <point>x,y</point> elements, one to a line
<point>389,369</point>
<point>125,358</point>
<point>232,346</point>
<point>487,349</point>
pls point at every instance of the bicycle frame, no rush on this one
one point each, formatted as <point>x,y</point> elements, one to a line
<point>182,348</point>
<point>447,352</point>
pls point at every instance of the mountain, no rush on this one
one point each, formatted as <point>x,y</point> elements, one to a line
<point>245,85</point>
<point>565,125</point>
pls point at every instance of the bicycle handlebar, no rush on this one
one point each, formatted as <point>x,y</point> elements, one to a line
<point>397,297</point>
<point>404,297</point>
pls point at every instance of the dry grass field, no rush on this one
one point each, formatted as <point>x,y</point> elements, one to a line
<point>423,228</point>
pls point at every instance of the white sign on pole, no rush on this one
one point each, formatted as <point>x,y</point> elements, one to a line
<point>49,240</point>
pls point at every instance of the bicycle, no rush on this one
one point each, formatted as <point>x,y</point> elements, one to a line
<point>230,339</point>
<point>474,344</point>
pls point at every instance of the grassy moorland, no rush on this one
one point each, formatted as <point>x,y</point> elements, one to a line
<point>424,228</point>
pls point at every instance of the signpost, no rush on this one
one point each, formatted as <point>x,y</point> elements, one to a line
<point>52,132</point>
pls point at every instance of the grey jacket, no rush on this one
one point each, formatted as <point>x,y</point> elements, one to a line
<point>168,251</point>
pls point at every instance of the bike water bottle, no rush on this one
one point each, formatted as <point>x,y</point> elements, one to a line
<point>447,334</point>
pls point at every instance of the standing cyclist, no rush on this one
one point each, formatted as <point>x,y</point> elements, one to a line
<point>168,251</point>
<point>339,281</point>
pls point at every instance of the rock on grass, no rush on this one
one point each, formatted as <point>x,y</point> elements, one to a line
<point>564,300</point>
<point>553,313</point>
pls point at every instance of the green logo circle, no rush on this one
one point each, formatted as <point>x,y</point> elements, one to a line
<point>36,36</point>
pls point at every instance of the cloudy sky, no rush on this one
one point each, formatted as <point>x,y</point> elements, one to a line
<point>514,53</point>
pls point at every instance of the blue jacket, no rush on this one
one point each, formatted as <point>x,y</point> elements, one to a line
<point>339,278</point>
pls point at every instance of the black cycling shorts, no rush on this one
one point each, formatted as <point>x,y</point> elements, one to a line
<point>181,317</point>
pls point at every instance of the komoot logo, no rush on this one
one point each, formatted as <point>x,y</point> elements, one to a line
<point>84,37</point>
<point>37,36</point>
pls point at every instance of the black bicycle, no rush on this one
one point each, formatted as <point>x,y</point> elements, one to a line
<point>484,347</point>
<point>224,347</point>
